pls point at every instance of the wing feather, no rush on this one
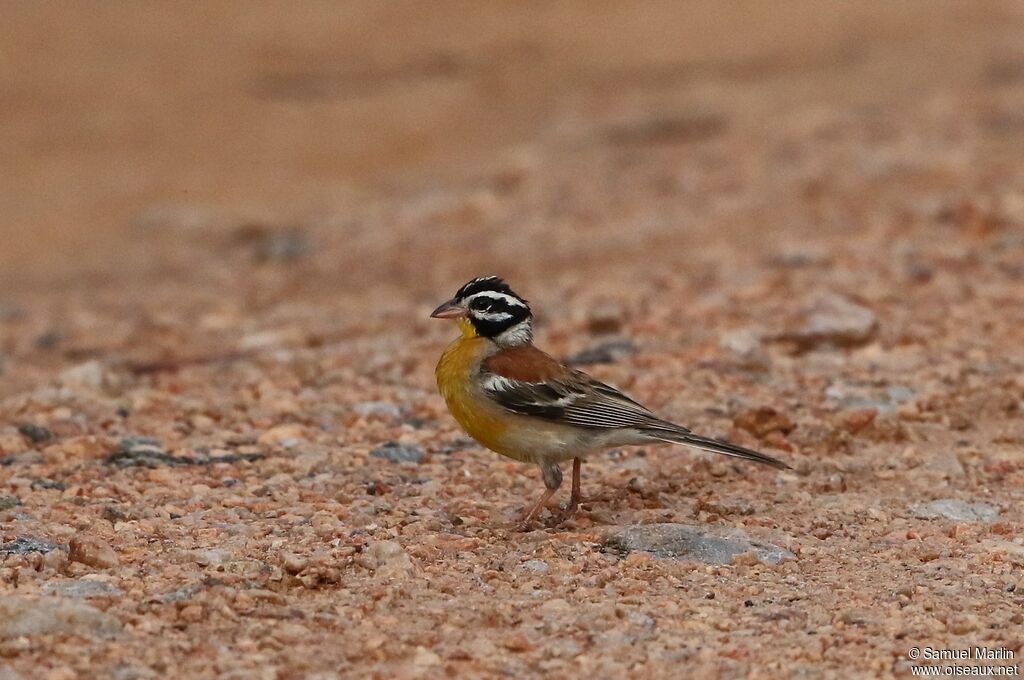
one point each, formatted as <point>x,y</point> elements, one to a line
<point>573,398</point>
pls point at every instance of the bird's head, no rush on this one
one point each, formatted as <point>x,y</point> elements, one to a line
<point>487,307</point>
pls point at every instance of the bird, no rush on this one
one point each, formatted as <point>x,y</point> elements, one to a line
<point>522,403</point>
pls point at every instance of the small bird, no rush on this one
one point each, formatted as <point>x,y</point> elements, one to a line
<point>520,402</point>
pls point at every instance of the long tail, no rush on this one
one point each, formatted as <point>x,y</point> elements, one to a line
<point>687,438</point>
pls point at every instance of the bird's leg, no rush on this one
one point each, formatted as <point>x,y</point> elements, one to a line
<point>552,480</point>
<point>576,497</point>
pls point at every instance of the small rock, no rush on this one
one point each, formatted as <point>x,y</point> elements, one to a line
<point>12,443</point>
<point>48,484</point>
<point>264,340</point>
<point>398,453</point>
<point>712,545</point>
<point>80,587</point>
<point>142,452</point>
<point>964,623</point>
<point>180,594</point>
<point>603,353</point>
<point>536,566</point>
<point>857,419</point>
<point>294,564</point>
<point>378,408</point>
<point>957,510</point>
<point>763,421</point>
<point>8,502</point>
<point>291,633</point>
<point>192,613</point>
<point>37,434</point>
<point>281,246</point>
<point>90,374</point>
<point>22,545</point>
<point>387,557</point>
<point>48,339</point>
<point>946,463</point>
<point>517,643</point>
<point>282,435</point>
<point>85,447</point>
<point>604,318</point>
<point>745,346</point>
<point>92,551</point>
<point>833,321</point>
<point>424,658</point>
<point>859,397</point>
<point>24,616</point>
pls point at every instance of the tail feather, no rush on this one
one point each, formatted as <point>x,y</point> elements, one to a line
<point>696,441</point>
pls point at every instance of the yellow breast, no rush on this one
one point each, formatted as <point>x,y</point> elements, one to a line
<point>456,379</point>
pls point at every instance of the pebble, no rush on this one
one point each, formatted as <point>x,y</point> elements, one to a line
<point>25,616</point>
<point>81,587</point>
<point>858,396</point>
<point>8,502</point>
<point>398,453</point>
<point>92,551</point>
<point>23,545</point>
<point>37,434</point>
<point>89,374</point>
<point>142,452</point>
<point>712,545</point>
<point>833,321</point>
<point>605,317</point>
<point>387,557</point>
<point>763,421</point>
<point>603,353</point>
<point>294,564</point>
<point>280,246</point>
<point>287,436</point>
<point>12,443</point>
<point>958,510</point>
<point>536,566</point>
<point>378,408</point>
<point>745,346</point>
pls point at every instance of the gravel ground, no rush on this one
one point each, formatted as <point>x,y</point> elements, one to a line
<point>221,450</point>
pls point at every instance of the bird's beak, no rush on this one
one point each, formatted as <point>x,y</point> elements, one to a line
<point>449,310</point>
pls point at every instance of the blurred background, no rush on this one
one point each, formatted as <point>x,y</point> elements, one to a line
<point>115,116</point>
<point>225,160</point>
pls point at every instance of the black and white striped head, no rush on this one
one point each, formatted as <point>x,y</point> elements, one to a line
<point>486,306</point>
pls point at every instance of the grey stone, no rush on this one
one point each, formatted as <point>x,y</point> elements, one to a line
<point>28,544</point>
<point>8,502</point>
<point>180,594</point>
<point>147,452</point>
<point>281,246</point>
<point>604,353</point>
<point>82,588</point>
<point>25,616</point>
<point>536,566</point>
<point>712,545</point>
<point>883,399</point>
<point>957,510</point>
<point>378,408</point>
<point>398,453</point>
<point>37,434</point>
<point>142,452</point>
